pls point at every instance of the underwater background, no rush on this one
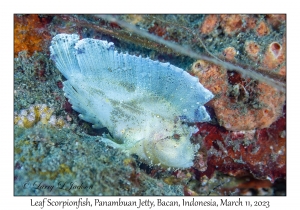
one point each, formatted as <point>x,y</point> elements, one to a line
<point>240,58</point>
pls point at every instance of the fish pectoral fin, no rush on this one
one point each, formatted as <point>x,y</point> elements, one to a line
<point>111,143</point>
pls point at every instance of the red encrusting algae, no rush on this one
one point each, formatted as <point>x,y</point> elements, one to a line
<point>260,153</point>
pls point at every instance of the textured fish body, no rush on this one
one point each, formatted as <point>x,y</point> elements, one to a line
<point>145,104</point>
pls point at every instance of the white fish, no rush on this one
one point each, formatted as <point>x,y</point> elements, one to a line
<point>145,104</point>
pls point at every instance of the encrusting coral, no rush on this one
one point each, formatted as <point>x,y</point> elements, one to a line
<point>38,113</point>
<point>239,104</point>
<point>274,55</point>
<point>252,49</point>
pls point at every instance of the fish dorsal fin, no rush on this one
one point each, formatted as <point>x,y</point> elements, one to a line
<point>98,60</point>
<point>63,53</point>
